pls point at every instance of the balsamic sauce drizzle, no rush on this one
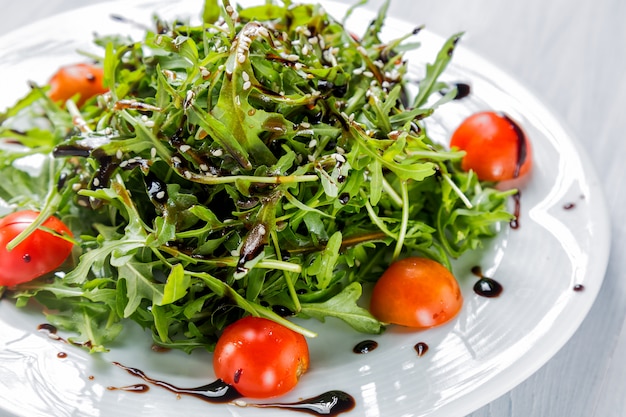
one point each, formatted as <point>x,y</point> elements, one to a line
<point>331,403</point>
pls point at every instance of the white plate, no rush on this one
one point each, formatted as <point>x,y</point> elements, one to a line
<point>492,346</point>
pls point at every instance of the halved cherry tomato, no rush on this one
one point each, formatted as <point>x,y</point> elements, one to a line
<point>83,79</point>
<point>260,358</point>
<point>496,147</point>
<point>41,252</point>
<point>416,292</point>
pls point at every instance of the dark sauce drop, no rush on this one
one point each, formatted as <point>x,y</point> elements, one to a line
<point>61,355</point>
<point>569,206</point>
<point>522,149</point>
<point>344,198</point>
<point>579,287</point>
<point>421,348</point>
<point>462,90</point>
<point>365,346</point>
<point>26,258</point>
<point>282,310</point>
<point>488,287</point>
<point>485,286</point>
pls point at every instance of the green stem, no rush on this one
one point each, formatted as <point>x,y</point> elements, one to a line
<point>405,220</point>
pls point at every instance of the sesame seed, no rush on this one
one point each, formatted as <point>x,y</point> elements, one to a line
<point>76,186</point>
<point>149,123</point>
<point>144,118</point>
<point>305,125</point>
<point>247,85</point>
<point>176,160</point>
<point>184,148</point>
<point>96,182</point>
<point>108,131</point>
<point>311,158</point>
<point>123,164</point>
<point>357,71</point>
<point>119,154</point>
<point>204,167</point>
<point>313,40</point>
<point>153,153</point>
<point>368,74</point>
<point>245,76</point>
<point>312,143</point>
<point>339,158</point>
<point>340,150</point>
<point>160,195</point>
<point>293,57</point>
<point>187,175</point>
<point>305,50</point>
<point>217,152</point>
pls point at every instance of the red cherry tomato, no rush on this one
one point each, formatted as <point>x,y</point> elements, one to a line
<point>84,79</point>
<point>41,252</point>
<point>495,146</point>
<point>260,358</point>
<point>416,292</point>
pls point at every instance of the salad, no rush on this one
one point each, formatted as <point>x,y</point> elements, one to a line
<point>265,163</point>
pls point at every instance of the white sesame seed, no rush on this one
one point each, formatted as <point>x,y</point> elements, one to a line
<point>379,63</point>
<point>184,148</point>
<point>305,50</point>
<point>153,153</point>
<point>144,118</point>
<point>368,74</point>
<point>357,71</point>
<point>76,186</point>
<point>237,100</point>
<point>187,175</point>
<point>119,154</point>
<point>247,85</point>
<point>160,195</point>
<point>96,182</point>
<point>312,143</point>
<point>176,160</point>
<point>311,158</point>
<point>108,131</point>
<point>339,158</point>
<point>298,66</point>
<point>340,150</point>
<point>245,76</point>
<point>123,164</point>
<point>313,40</point>
<point>204,167</point>
<point>292,57</point>
<point>149,123</point>
<point>217,152</point>
<point>305,125</point>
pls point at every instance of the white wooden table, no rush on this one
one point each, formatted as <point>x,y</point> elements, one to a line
<point>573,56</point>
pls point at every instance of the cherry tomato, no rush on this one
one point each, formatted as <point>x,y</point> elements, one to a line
<point>496,147</point>
<point>84,79</point>
<point>260,358</point>
<point>416,292</point>
<point>41,252</point>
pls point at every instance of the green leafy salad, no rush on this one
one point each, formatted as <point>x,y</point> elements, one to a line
<point>265,162</point>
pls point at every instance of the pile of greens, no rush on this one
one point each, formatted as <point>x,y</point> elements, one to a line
<point>264,162</point>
